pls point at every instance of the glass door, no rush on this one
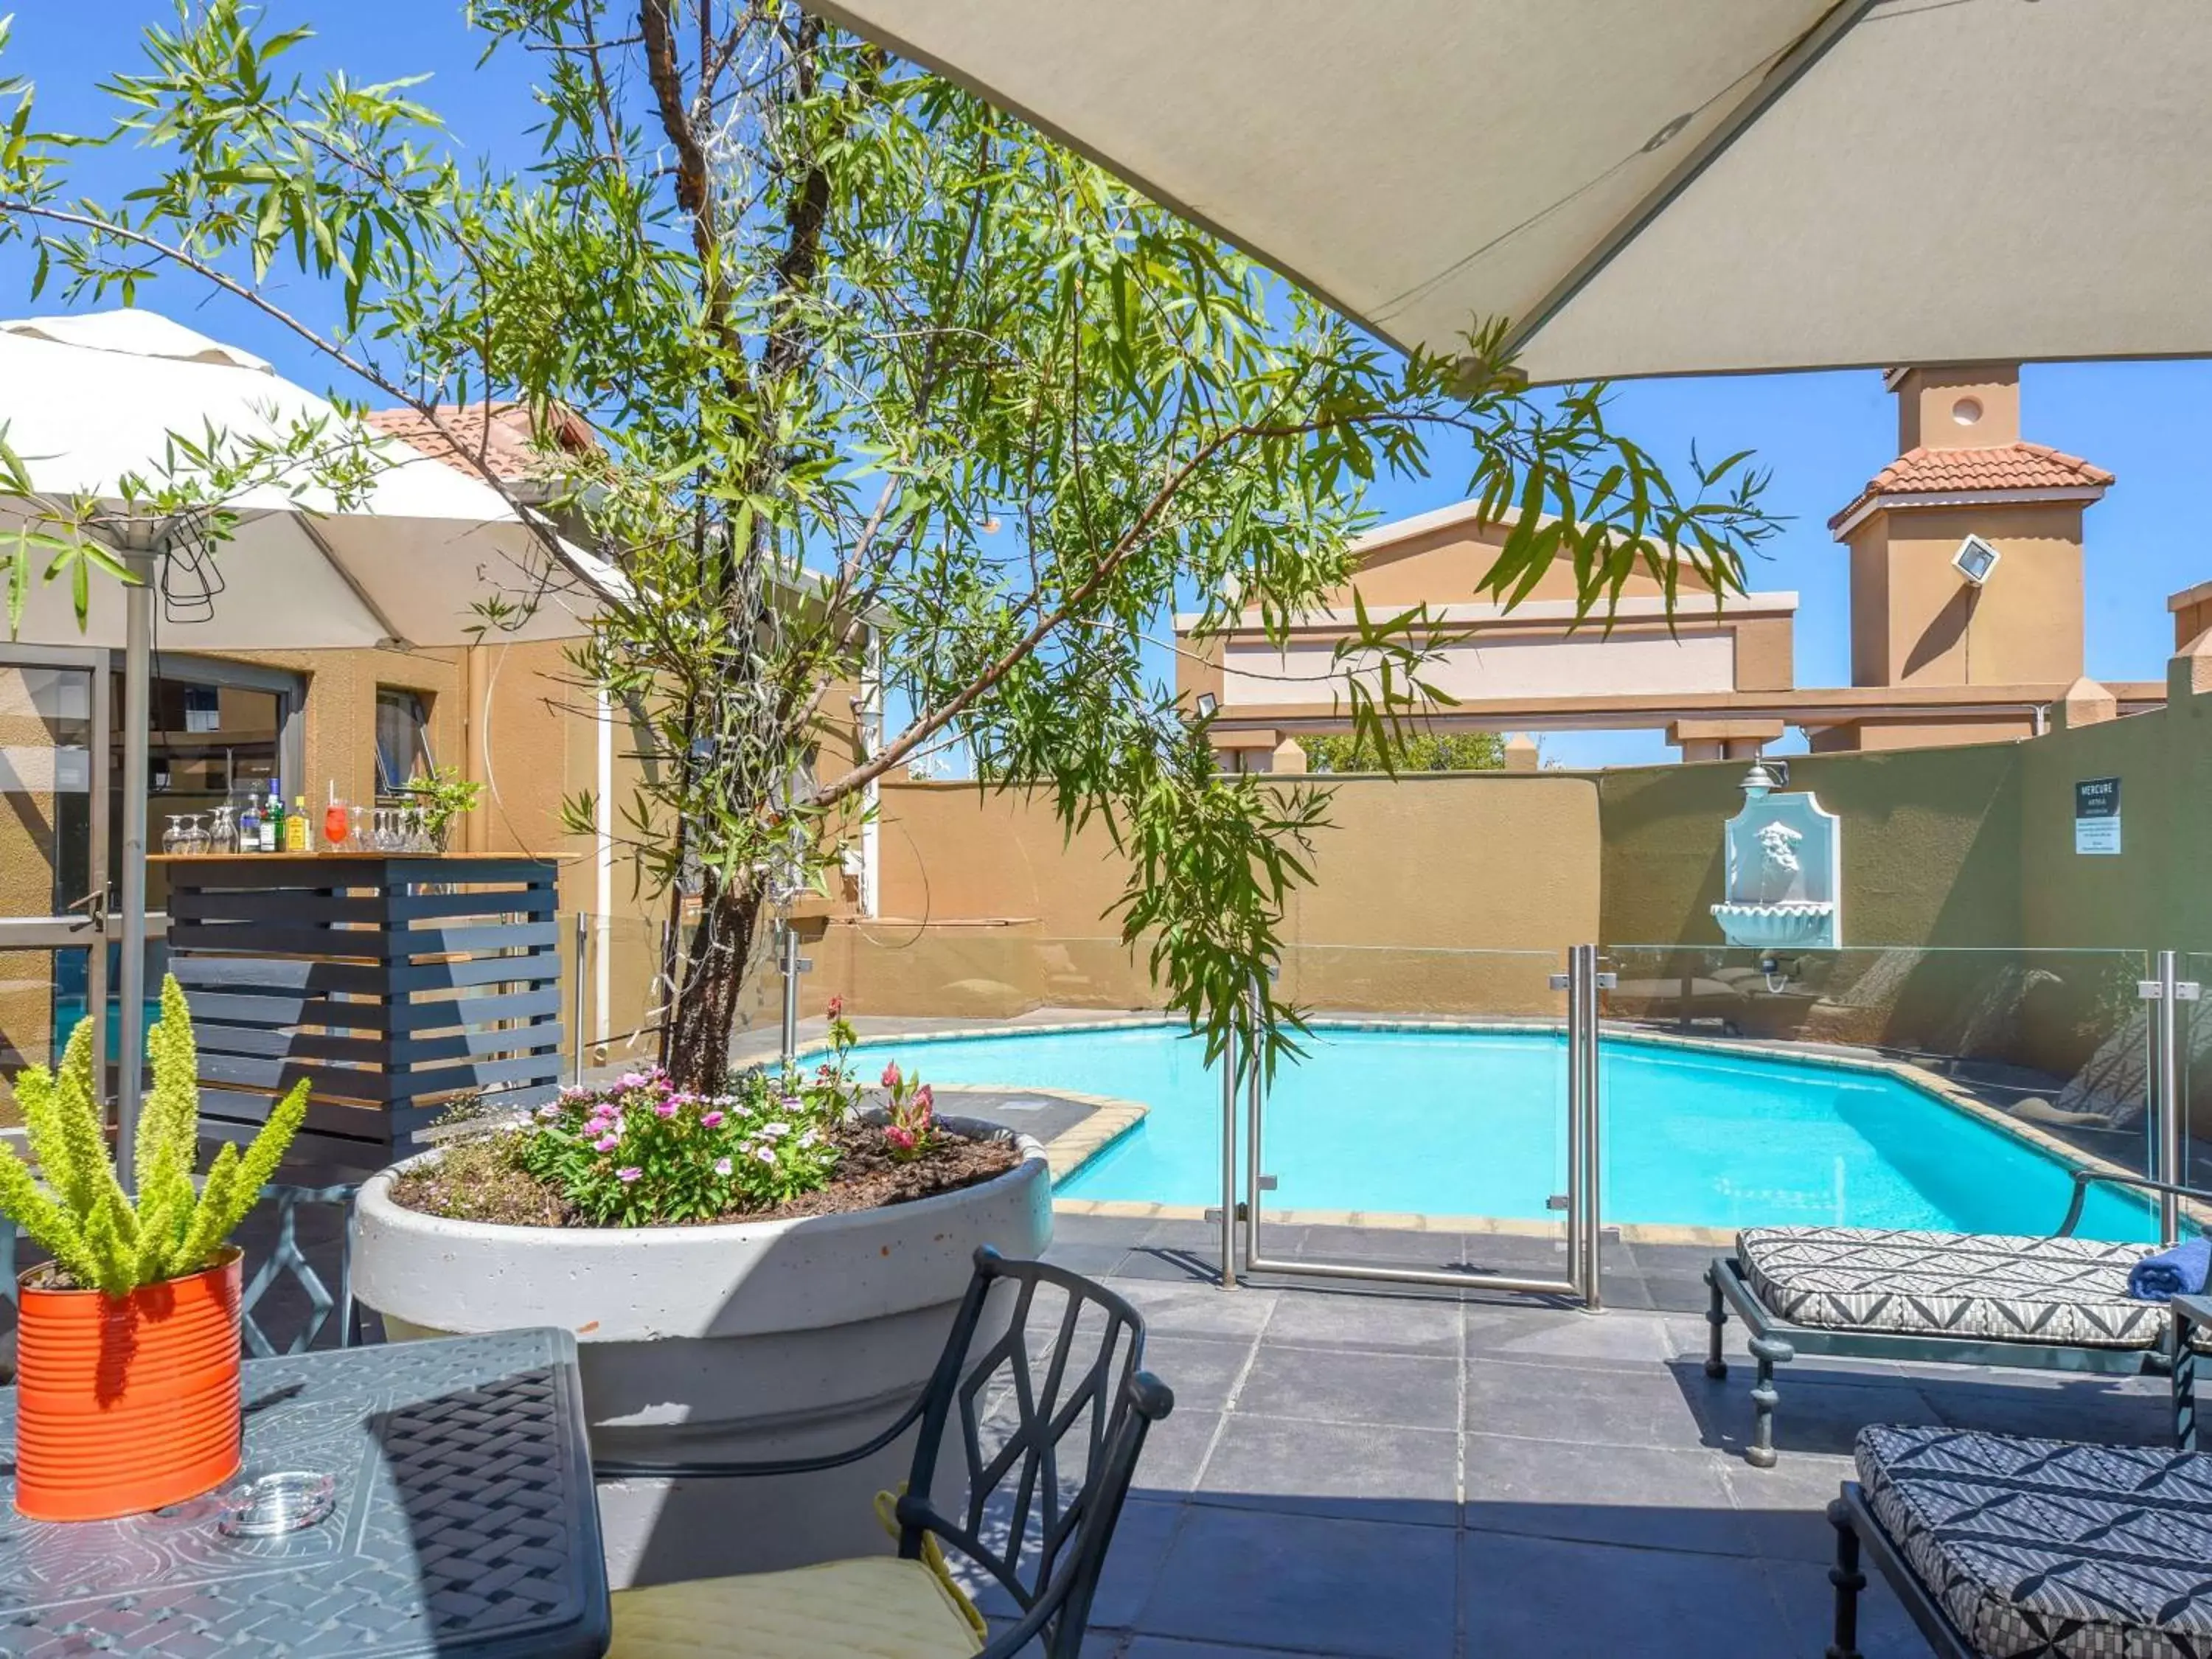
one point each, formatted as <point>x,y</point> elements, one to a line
<point>53,850</point>
<point>1425,1131</point>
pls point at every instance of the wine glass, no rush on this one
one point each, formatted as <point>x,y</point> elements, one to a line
<point>195,843</point>
<point>357,836</point>
<point>412,835</point>
<point>173,836</point>
<point>222,834</point>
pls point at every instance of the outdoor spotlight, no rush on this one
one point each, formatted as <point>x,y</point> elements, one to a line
<point>1975,560</point>
<point>1207,703</point>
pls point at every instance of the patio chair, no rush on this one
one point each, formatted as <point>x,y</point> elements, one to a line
<point>285,1262</point>
<point>2055,1303</point>
<point>1030,1412</point>
<point>2001,1546</point>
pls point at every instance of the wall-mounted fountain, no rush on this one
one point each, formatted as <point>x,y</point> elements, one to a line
<point>1785,870</point>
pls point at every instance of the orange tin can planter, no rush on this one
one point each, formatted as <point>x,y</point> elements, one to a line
<point>128,1403</point>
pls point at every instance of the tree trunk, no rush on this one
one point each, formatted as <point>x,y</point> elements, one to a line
<point>697,1053</point>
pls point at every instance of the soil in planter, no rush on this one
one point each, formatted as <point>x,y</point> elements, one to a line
<point>476,1180</point>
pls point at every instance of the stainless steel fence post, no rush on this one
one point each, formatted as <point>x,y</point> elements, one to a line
<point>1593,1136</point>
<point>2170,1138</point>
<point>788,1046</point>
<point>1566,982</point>
<point>1584,1262</point>
<point>1254,1098</point>
<point>576,1002</point>
<point>1228,1163</point>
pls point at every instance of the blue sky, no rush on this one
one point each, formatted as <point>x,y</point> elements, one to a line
<point>1822,434</point>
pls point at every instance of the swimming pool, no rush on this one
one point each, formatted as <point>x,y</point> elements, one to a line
<point>1473,1122</point>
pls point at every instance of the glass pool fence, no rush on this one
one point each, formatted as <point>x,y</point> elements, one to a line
<point>1427,1120</point>
<point>1954,1090</point>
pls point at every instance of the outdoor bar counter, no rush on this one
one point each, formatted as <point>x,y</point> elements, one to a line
<point>392,982</point>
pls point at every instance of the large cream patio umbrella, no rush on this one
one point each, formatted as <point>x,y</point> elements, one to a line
<point>1680,186</point>
<point>85,401</point>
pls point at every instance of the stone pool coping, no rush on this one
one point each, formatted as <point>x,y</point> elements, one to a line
<point>1079,1145</point>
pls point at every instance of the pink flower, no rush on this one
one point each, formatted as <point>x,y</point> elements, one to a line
<point>627,1174</point>
<point>924,1099</point>
<point>900,1137</point>
<point>712,1121</point>
<point>666,1108</point>
<point>837,1007</point>
<point>606,1143</point>
<point>891,1075</point>
<point>766,1155</point>
<point>721,1166</point>
<point>631,1080</point>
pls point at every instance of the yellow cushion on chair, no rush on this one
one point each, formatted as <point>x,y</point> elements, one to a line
<point>876,1607</point>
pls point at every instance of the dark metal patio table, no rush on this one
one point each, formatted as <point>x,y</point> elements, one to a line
<point>463,1523</point>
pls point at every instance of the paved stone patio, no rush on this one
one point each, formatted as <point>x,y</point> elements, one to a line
<point>1424,1476</point>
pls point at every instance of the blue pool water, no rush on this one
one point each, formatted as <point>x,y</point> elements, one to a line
<point>1445,1123</point>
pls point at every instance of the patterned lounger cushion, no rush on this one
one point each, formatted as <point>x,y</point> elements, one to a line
<point>2069,1291</point>
<point>2046,1548</point>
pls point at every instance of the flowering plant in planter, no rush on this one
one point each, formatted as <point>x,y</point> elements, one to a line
<point>641,1153</point>
<point>127,1347</point>
<point>912,1111</point>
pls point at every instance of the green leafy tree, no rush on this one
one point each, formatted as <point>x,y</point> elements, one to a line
<point>1413,751</point>
<point>889,388</point>
<point>82,1218</point>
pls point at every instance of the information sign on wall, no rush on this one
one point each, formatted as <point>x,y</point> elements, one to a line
<point>2097,815</point>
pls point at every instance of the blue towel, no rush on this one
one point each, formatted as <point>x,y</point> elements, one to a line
<point>2177,1271</point>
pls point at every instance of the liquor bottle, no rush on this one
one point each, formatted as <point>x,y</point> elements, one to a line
<point>249,826</point>
<point>296,826</point>
<point>272,821</point>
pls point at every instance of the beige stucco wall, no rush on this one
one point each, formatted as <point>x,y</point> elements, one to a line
<point>27,842</point>
<point>1915,621</point>
<point>1931,849</point>
<point>1425,888</point>
<point>2155,891</point>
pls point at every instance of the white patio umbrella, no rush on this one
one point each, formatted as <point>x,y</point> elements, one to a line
<point>89,399</point>
<point>1685,187</point>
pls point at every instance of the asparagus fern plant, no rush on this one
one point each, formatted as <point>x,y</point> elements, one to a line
<point>96,1234</point>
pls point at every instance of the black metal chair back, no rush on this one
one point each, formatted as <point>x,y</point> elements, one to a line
<point>1046,1421</point>
<point>283,1265</point>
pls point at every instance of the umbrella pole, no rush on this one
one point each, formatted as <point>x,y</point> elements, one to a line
<point>131,1022</point>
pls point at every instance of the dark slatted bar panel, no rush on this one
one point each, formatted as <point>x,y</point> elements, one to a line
<point>392,984</point>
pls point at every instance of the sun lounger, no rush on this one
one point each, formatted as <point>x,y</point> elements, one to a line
<point>1999,1545</point>
<point>2055,1304</point>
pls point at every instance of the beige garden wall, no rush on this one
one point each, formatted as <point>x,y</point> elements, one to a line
<point>1972,927</point>
<point>1442,893</point>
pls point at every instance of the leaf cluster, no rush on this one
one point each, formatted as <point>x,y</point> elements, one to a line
<point>907,427</point>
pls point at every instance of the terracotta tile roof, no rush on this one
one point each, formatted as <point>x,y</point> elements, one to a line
<point>501,430</point>
<point>1958,472</point>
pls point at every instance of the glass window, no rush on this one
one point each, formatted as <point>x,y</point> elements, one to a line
<point>210,746</point>
<point>403,738</point>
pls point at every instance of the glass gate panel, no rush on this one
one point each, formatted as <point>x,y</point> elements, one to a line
<point>1953,1089</point>
<point>1424,1131</point>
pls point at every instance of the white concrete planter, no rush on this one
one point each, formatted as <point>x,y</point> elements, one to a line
<point>748,1340</point>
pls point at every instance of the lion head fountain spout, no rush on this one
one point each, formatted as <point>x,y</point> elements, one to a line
<point>1784,870</point>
